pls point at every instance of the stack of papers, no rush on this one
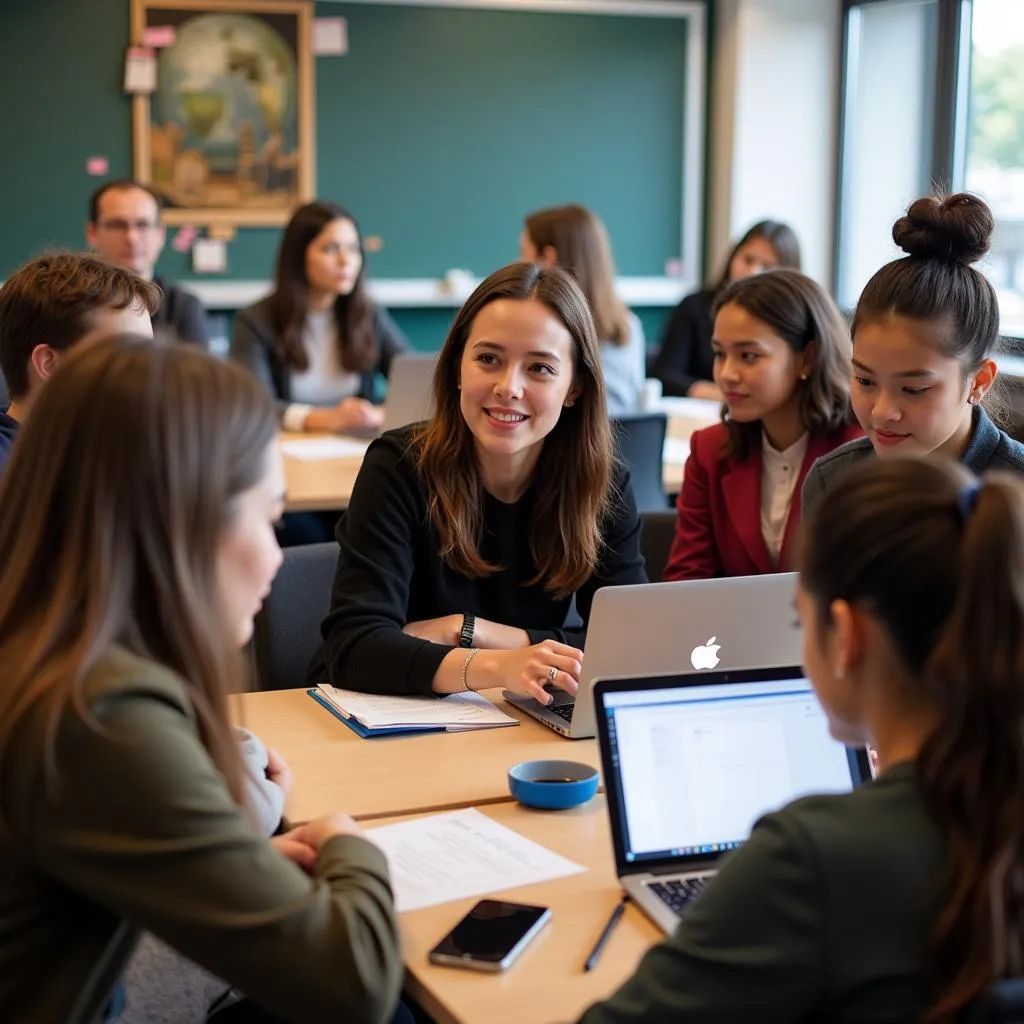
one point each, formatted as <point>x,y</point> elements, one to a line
<point>370,714</point>
<point>311,449</point>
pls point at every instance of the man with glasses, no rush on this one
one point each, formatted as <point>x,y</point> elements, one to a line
<point>125,228</point>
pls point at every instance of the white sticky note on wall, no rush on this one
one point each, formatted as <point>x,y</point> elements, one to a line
<point>209,256</point>
<point>330,37</point>
<point>139,70</point>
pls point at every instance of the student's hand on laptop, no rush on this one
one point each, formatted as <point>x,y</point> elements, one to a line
<point>348,414</point>
<point>529,670</point>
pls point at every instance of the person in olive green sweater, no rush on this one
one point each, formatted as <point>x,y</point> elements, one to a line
<point>902,900</point>
<point>136,535</point>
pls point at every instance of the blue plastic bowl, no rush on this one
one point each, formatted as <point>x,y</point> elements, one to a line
<point>552,785</point>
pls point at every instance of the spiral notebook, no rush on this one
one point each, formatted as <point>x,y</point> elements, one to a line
<point>369,714</point>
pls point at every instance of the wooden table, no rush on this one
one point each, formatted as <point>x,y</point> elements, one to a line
<point>547,983</point>
<point>324,485</point>
<point>336,770</point>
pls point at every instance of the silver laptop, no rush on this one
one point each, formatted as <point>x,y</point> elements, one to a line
<point>410,389</point>
<point>691,762</point>
<point>669,628</point>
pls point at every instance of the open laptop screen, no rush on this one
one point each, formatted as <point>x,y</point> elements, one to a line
<point>692,766</point>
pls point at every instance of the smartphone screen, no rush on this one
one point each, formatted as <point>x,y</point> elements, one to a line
<point>491,935</point>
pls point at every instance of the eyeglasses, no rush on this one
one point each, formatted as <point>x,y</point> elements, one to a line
<point>124,226</point>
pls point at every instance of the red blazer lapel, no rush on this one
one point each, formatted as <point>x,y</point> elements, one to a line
<point>741,489</point>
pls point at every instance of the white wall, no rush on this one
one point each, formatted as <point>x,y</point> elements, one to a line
<point>774,123</point>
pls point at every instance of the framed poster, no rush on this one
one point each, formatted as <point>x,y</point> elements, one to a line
<point>227,135</point>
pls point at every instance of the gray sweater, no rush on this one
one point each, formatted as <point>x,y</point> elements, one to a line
<point>987,448</point>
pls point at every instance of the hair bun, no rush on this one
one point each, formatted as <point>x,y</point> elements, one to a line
<point>956,228</point>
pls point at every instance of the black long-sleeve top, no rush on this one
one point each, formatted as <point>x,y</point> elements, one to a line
<point>685,355</point>
<point>390,572</point>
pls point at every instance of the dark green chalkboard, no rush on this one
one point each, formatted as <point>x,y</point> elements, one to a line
<point>439,129</point>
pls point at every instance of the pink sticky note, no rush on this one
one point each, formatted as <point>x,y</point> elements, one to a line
<point>674,268</point>
<point>97,166</point>
<point>158,36</point>
<point>184,238</point>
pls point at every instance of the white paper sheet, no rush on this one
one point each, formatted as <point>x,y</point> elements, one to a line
<point>452,856</point>
<point>311,448</point>
<point>457,712</point>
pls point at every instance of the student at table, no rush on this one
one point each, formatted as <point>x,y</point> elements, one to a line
<point>125,227</point>
<point>467,538</point>
<point>136,534</point>
<point>684,362</point>
<point>782,361</point>
<point>318,340</point>
<point>900,901</point>
<point>924,332</point>
<point>53,303</point>
<point>573,238</point>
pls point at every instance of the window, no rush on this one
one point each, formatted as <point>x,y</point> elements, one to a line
<point>995,144</point>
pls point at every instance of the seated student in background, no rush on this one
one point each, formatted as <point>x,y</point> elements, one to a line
<point>684,362</point>
<point>317,340</point>
<point>52,303</point>
<point>467,537</point>
<point>152,478</point>
<point>782,361</point>
<point>900,901</point>
<point>573,238</point>
<point>125,228</point>
<point>924,333</point>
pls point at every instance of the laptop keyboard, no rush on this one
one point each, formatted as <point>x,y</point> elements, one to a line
<point>562,710</point>
<point>677,892</point>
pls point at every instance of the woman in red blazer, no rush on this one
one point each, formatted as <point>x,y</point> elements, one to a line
<point>782,362</point>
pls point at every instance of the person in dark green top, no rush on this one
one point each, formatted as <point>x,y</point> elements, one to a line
<point>900,901</point>
<point>137,539</point>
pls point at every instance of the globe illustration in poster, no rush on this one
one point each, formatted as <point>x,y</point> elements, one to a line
<point>224,117</point>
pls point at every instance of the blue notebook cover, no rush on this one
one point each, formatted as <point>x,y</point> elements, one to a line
<point>368,734</point>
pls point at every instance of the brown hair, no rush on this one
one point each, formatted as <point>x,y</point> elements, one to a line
<point>289,301</point>
<point>942,236</point>
<point>567,519</point>
<point>781,237</point>
<point>941,566</point>
<point>50,300</point>
<point>802,313</point>
<point>582,247</point>
<point>111,509</point>
<point>120,185</point>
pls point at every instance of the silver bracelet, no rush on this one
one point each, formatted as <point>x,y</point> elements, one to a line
<point>465,668</point>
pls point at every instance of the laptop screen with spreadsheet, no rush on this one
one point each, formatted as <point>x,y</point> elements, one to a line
<point>692,762</point>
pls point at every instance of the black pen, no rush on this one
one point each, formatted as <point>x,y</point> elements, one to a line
<point>619,910</point>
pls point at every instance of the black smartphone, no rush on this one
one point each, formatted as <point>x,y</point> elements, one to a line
<point>490,936</point>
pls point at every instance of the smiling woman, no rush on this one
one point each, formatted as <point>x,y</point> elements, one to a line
<point>467,539</point>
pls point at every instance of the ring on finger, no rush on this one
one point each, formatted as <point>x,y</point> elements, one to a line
<point>552,672</point>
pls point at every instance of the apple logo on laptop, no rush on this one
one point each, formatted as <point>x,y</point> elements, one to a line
<point>705,656</point>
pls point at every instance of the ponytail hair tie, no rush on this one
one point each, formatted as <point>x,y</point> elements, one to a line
<point>967,499</point>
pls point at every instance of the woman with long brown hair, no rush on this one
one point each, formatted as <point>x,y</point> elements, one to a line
<point>318,340</point>
<point>903,900</point>
<point>136,535</point>
<point>467,537</point>
<point>574,238</point>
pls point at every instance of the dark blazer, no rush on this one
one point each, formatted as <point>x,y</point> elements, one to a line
<point>718,524</point>
<point>254,345</point>
<point>987,448</point>
<point>685,355</point>
<point>183,313</point>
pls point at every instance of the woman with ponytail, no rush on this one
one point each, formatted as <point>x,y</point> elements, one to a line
<point>903,900</point>
<point>924,333</point>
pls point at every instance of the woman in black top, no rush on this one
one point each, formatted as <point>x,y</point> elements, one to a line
<point>467,537</point>
<point>902,900</point>
<point>684,363</point>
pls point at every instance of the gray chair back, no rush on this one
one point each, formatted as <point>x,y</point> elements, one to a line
<point>1002,1003</point>
<point>659,530</point>
<point>641,443</point>
<point>286,632</point>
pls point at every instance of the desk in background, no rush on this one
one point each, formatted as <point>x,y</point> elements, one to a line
<point>336,770</point>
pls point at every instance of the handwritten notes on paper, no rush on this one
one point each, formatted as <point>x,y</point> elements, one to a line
<point>452,856</point>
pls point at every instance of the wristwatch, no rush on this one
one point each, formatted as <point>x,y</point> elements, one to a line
<point>467,631</point>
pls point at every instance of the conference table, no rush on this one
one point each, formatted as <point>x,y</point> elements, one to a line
<point>397,779</point>
<point>321,469</point>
